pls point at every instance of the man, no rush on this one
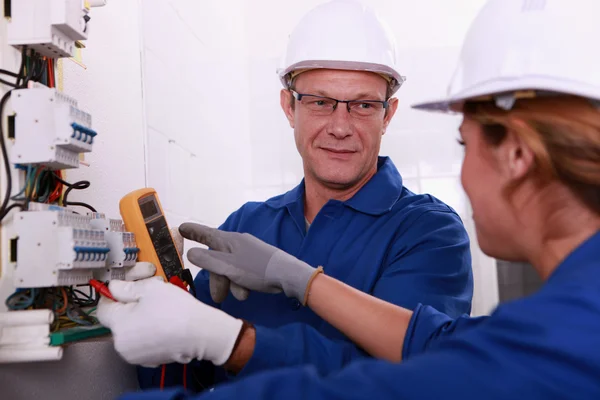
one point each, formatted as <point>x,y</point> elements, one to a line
<point>351,215</point>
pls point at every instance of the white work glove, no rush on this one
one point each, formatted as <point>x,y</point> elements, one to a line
<point>141,270</point>
<point>249,262</point>
<point>154,323</point>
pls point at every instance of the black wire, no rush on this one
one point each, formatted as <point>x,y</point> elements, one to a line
<point>79,185</point>
<point>7,83</point>
<point>3,207</point>
<point>9,208</point>
<point>81,204</point>
<point>9,73</point>
<point>22,67</point>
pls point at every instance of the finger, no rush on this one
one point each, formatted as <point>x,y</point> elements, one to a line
<point>177,239</point>
<point>129,292</point>
<point>239,292</point>
<point>205,235</point>
<point>212,261</point>
<point>140,270</point>
<point>219,287</point>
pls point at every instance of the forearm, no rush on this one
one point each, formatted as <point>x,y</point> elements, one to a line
<point>376,326</point>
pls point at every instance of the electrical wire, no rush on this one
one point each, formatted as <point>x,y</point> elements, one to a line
<point>3,208</point>
<point>79,185</point>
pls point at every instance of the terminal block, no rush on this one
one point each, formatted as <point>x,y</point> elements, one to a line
<point>49,129</point>
<point>123,249</point>
<point>57,247</point>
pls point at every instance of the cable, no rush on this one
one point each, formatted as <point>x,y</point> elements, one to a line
<point>80,185</point>
<point>3,207</point>
<point>7,83</point>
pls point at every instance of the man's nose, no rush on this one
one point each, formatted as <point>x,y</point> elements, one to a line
<point>340,124</point>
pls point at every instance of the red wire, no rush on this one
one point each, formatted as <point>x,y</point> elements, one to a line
<point>50,72</point>
<point>162,376</point>
<point>163,373</point>
<point>57,189</point>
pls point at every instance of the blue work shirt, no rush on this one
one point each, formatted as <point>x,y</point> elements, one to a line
<point>546,346</point>
<point>398,246</point>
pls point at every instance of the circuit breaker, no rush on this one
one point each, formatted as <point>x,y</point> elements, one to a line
<point>49,128</point>
<point>57,247</point>
<point>123,249</point>
<point>51,27</point>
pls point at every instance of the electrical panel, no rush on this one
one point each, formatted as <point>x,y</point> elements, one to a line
<point>49,128</point>
<point>57,247</point>
<point>123,250</point>
<point>51,27</point>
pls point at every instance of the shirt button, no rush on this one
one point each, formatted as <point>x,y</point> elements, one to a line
<point>296,304</point>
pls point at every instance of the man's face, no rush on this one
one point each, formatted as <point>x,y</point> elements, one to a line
<point>340,149</point>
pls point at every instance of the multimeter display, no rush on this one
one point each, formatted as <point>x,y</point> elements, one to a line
<point>157,227</point>
<point>148,207</point>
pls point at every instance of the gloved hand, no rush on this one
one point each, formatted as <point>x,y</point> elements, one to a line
<point>141,270</point>
<point>249,262</point>
<point>219,285</point>
<point>154,323</point>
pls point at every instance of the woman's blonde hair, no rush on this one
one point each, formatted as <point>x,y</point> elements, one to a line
<point>563,133</point>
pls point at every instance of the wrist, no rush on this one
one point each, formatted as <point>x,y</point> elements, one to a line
<point>292,274</point>
<point>243,348</point>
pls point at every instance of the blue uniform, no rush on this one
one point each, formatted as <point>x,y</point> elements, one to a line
<point>546,346</point>
<point>387,241</point>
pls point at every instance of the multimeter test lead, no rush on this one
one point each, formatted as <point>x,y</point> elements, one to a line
<point>101,288</point>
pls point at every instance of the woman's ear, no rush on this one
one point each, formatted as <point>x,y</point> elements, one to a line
<point>518,158</point>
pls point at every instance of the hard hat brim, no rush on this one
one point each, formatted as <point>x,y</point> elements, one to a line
<point>491,89</point>
<point>343,65</point>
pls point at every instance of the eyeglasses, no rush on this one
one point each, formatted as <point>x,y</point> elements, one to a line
<point>322,106</point>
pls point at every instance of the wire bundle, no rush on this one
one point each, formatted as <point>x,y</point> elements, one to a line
<point>66,302</point>
<point>36,68</point>
<point>41,183</point>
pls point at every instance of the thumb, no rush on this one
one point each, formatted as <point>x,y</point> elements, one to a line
<point>129,292</point>
<point>219,287</point>
<point>141,270</point>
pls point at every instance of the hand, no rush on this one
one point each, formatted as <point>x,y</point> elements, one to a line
<point>141,270</point>
<point>219,285</point>
<point>154,323</point>
<point>249,262</point>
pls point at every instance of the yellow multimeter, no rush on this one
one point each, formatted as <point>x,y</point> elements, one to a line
<point>143,215</point>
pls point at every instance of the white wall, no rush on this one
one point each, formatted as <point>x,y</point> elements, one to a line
<point>217,136</point>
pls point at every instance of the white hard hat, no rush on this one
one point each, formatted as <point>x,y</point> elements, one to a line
<point>518,48</point>
<point>341,34</point>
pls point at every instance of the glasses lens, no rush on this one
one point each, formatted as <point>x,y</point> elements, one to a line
<point>318,105</point>
<point>365,108</point>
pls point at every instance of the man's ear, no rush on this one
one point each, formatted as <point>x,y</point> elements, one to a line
<point>390,112</point>
<point>287,105</point>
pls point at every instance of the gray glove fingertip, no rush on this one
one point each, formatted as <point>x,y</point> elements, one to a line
<point>239,292</point>
<point>219,287</point>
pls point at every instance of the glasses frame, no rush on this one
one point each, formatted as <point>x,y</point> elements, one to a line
<point>299,96</point>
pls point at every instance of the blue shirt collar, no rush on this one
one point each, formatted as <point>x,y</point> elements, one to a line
<point>581,263</point>
<point>376,197</point>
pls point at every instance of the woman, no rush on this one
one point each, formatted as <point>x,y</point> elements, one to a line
<point>528,86</point>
